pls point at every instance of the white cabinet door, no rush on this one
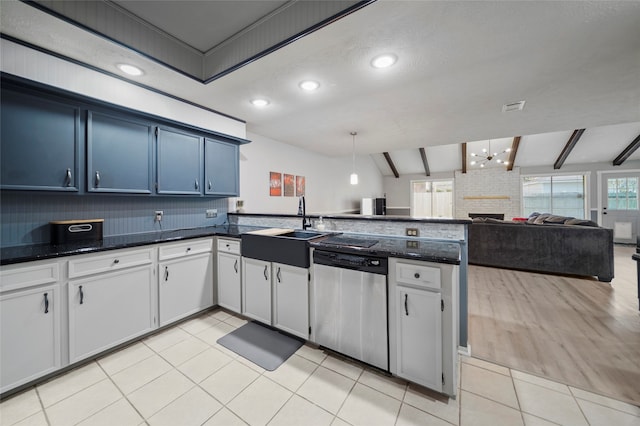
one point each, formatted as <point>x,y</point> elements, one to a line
<point>29,335</point>
<point>291,299</point>
<point>229,285</point>
<point>185,287</point>
<point>109,309</point>
<point>256,289</point>
<point>419,333</point>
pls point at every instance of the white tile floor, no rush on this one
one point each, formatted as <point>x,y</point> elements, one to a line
<point>182,377</point>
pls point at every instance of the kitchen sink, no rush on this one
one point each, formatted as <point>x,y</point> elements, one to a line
<point>290,248</point>
<point>302,235</point>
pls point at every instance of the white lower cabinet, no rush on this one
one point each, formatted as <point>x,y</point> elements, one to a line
<point>228,275</point>
<point>291,299</point>
<point>186,281</point>
<point>109,309</point>
<point>276,294</point>
<point>256,289</point>
<point>419,337</point>
<point>423,323</point>
<point>29,334</point>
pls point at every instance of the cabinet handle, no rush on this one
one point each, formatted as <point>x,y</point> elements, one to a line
<point>188,249</point>
<point>116,261</point>
<point>81,295</point>
<point>97,178</point>
<point>69,177</point>
<point>416,275</point>
<point>406,306</point>
<point>46,303</point>
<point>210,185</point>
<point>166,273</point>
<point>265,273</point>
<point>197,184</point>
<point>235,266</point>
<point>278,275</point>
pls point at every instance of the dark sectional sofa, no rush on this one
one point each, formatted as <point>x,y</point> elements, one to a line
<point>544,243</point>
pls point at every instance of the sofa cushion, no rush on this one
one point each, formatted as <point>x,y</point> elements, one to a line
<point>581,222</point>
<point>554,219</point>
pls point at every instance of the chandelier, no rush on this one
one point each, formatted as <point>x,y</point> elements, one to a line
<point>488,155</point>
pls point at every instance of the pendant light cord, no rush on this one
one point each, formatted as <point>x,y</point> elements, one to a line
<point>353,134</point>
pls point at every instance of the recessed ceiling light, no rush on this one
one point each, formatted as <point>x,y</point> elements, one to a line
<point>259,102</point>
<point>384,61</point>
<point>309,85</point>
<point>130,69</point>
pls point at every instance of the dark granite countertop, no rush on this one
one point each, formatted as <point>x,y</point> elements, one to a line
<point>27,253</point>
<point>409,248</point>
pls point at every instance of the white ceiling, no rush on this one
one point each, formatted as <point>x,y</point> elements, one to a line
<point>577,65</point>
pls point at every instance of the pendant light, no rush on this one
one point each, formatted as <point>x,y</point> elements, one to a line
<point>354,175</point>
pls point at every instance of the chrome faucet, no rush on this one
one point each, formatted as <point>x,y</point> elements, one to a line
<point>302,211</point>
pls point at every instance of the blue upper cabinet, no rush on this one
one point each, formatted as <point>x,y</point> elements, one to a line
<point>179,163</point>
<point>40,138</point>
<point>221,168</point>
<point>119,154</point>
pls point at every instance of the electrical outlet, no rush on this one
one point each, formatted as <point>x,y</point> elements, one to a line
<point>412,232</point>
<point>413,245</point>
<point>159,214</point>
<point>211,213</point>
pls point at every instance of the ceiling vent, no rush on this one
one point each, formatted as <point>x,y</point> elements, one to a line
<point>513,106</point>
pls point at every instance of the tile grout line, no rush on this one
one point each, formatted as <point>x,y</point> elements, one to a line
<point>602,405</point>
<point>515,392</point>
<point>44,411</point>
<point>579,406</point>
<point>124,396</point>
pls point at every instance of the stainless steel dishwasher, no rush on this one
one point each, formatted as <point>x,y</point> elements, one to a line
<point>349,305</point>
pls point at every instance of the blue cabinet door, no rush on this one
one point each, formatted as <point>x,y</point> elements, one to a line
<point>179,163</point>
<point>119,153</point>
<point>39,143</point>
<point>221,168</point>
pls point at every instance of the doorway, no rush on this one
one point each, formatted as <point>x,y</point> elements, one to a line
<point>619,204</point>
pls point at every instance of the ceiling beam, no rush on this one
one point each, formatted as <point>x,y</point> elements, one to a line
<point>514,150</point>
<point>571,143</point>
<point>626,153</point>
<point>425,163</point>
<point>464,157</point>
<point>391,165</point>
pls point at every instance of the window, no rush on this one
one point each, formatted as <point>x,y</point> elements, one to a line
<point>622,193</point>
<point>432,198</point>
<point>561,195</point>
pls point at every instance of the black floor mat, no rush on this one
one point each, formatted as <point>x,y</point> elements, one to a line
<point>261,345</point>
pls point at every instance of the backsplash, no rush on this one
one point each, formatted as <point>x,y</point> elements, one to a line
<point>25,216</point>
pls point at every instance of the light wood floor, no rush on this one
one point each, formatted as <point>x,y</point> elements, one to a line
<point>578,331</point>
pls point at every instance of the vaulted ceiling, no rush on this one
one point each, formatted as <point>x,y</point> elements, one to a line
<point>576,64</point>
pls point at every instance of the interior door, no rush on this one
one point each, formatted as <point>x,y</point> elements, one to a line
<point>620,205</point>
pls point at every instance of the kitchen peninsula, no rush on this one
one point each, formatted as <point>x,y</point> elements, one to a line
<point>76,284</point>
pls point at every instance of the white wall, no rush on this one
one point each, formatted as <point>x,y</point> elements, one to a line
<point>327,179</point>
<point>482,191</point>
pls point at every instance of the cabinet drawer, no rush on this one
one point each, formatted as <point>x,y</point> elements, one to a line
<point>111,261</point>
<point>418,275</point>
<point>187,248</point>
<point>229,246</point>
<point>15,277</point>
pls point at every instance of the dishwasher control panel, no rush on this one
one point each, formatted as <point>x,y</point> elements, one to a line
<point>372,264</point>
